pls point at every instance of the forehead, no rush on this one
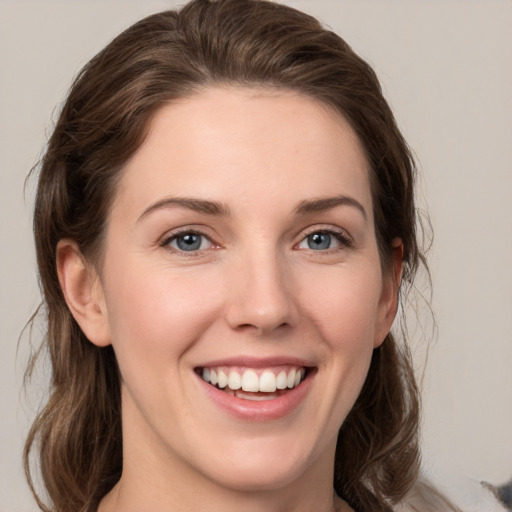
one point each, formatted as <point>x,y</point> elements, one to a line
<point>257,142</point>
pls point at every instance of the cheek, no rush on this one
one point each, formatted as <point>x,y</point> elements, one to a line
<point>344,306</point>
<point>343,309</point>
<point>155,314</point>
<point>345,313</point>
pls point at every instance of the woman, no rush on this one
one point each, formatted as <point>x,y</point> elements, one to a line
<point>224,220</point>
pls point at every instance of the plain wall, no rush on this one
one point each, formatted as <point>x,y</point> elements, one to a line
<point>446,68</point>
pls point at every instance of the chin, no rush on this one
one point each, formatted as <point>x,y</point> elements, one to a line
<point>257,478</point>
<point>267,466</point>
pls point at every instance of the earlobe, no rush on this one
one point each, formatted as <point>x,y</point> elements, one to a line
<point>388,304</point>
<point>83,292</point>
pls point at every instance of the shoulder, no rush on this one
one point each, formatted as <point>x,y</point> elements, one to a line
<point>424,497</point>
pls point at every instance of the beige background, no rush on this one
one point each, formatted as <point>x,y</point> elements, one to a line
<point>446,67</point>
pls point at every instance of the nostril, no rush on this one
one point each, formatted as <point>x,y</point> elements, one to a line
<point>261,329</point>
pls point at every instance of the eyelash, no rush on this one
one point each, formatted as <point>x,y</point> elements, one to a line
<point>340,236</point>
<point>166,242</point>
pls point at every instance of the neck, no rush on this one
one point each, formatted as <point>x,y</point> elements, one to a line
<point>120,499</point>
<point>147,484</point>
<point>157,478</point>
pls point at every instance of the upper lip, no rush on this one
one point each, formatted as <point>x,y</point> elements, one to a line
<point>257,362</point>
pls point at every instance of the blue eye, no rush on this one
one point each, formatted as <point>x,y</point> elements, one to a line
<point>319,241</point>
<point>323,240</point>
<point>189,242</point>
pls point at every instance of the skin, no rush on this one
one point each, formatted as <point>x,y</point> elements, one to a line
<point>255,287</point>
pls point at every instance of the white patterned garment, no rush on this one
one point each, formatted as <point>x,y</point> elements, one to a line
<point>466,494</point>
<point>473,496</point>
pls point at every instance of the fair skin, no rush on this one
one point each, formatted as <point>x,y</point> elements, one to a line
<point>240,243</point>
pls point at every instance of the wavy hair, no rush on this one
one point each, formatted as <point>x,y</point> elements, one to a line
<point>173,54</point>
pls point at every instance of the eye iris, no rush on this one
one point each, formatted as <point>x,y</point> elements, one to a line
<point>319,241</point>
<point>189,242</point>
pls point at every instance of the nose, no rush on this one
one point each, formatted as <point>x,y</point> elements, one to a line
<point>262,297</point>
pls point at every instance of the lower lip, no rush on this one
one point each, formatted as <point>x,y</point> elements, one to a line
<point>259,410</point>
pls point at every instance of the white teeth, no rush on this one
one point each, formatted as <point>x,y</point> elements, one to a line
<point>268,382</point>
<point>291,379</point>
<point>281,381</point>
<point>249,380</point>
<point>234,381</point>
<point>256,397</point>
<point>222,378</point>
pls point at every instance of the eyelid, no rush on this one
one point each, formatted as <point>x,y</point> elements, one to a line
<point>169,236</point>
<point>339,233</point>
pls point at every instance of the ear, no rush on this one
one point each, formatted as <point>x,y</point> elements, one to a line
<point>388,303</point>
<point>83,292</point>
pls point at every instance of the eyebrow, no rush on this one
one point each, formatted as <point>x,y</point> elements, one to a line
<point>327,203</point>
<point>197,205</point>
<point>219,209</point>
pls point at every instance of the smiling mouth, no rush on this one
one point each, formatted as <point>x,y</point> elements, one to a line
<point>252,383</point>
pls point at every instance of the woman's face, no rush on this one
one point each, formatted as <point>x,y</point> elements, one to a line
<point>240,251</point>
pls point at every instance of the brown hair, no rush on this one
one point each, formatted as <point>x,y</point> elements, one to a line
<point>103,122</point>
